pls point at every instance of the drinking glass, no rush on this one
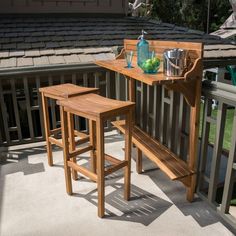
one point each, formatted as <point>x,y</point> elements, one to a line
<point>129,57</point>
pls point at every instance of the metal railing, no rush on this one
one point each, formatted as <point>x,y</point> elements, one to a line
<point>163,114</point>
<point>21,118</point>
<point>216,177</point>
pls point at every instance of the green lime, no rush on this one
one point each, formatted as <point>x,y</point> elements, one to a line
<point>156,62</point>
<point>148,66</point>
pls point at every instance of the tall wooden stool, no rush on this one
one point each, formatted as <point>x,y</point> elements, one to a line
<point>59,92</point>
<point>97,109</point>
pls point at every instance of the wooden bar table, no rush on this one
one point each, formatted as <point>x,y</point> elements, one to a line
<point>189,85</point>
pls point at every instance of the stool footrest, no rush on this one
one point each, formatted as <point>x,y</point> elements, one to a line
<point>55,141</point>
<point>83,170</point>
<point>112,159</point>
<point>116,167</point>
<point>80,134</point>
<point>80,151</point>
<point>55,131</point>
<point>82,140</point>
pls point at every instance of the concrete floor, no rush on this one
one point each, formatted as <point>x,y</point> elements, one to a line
<point>33,200</point>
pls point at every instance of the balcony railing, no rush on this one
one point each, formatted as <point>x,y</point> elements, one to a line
<point>163,114</point>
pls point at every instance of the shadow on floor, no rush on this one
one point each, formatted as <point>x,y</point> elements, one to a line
<point>175,191</point>
<point>18,161</point>
<point>143,207</point>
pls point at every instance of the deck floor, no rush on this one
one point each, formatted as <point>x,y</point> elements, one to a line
<point>33,200</point>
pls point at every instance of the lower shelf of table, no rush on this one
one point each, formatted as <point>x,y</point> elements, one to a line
<point>167,161</point>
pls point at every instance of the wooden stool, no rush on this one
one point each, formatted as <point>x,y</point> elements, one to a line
<point>97,109</point>
<point>59,92</point>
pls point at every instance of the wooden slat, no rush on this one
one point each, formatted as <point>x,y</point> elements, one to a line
<point>55,131</point>
<point>80,151</point>
<point>55,141</point>
<point>83,171</point>
<point>16,110</point>
<point>80,134</point>
<point>111,159</point>
<point>28,107</point>
<point>170,164</point>
<point>82,141</point>
<point>116,167</point>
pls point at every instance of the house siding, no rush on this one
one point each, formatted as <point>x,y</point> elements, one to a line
<point>64,6</point>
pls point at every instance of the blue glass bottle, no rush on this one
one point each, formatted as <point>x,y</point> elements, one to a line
<point>142,49</point>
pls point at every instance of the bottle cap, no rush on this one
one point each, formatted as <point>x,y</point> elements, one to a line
<point>142,35</point>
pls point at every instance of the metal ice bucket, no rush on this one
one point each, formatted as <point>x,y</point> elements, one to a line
<point>175,62</point>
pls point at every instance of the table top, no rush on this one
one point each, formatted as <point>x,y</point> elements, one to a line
<point>119,65</point>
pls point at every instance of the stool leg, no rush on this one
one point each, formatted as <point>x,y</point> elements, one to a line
<point>92,139</point>
<point>128,137</point>
<point>47,129</point>
<point>139,161</point>
<point>100,166</point>
<point>65,142</point>
<point>72,141</point>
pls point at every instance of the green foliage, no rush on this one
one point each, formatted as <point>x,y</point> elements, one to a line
<point>192,13</point>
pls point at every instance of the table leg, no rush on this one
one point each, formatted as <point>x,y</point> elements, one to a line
<point>132,98</point>
<point>71,128</point>
<point>193,139</point>
<point>47,129</point>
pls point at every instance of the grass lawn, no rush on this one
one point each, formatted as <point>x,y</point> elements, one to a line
<point>228,127</point>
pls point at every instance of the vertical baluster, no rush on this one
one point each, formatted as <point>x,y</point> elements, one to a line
<point>170,129</point>
<point>142,106</point>
<point>73,78</point>
<point>96,78</point>
<point>62,79</point>
<point>1,137</point>
<point>162,115</point>
<point>108,91</point>
<point>117,89</point>
<point>28,107</point>
<point>126,89</point>
<point>204,142</point>
<point>4,114</point>
<point>16,111</point>
<point>230,172</point>
<point>85,84</point>
<point>180,125</point>
<point>148,113</point>
<point>216,157</point>
<point>52,105</point>
<point>85,80</point>
<point>40,106</point>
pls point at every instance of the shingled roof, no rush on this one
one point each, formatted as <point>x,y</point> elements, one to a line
<point>40,41</point>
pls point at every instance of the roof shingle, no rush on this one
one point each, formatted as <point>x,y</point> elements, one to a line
<point>45,40</point>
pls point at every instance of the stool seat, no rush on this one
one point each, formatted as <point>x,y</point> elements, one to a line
<point>93,106</point>
<point>65,90</point>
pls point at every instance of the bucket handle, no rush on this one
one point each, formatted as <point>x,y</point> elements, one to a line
<point>167,58</point>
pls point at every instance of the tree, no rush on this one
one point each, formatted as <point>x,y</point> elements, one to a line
<point>192,13</point>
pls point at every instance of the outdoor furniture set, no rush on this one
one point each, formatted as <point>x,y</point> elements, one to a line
<point>85,102</point>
